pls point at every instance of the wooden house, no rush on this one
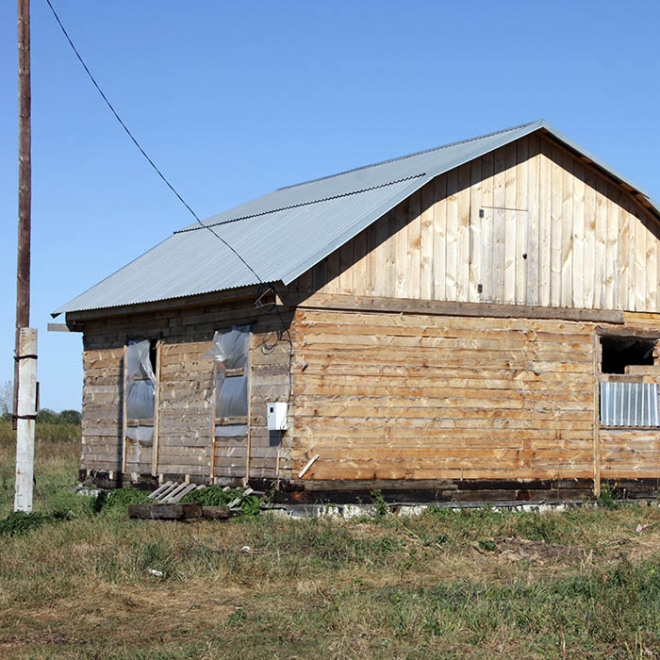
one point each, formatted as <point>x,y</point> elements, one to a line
<point>475,321</point>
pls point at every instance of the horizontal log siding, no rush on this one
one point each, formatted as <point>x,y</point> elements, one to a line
<point>186,391</point>
<point>102,406</point>
<point>385,396</point>
<point>186,387</point>
<point>630,453</point>
<point>633,453</point>
<point>527,224</point>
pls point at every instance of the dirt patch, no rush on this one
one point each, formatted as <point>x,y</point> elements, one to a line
<point>130,615</point>
<point>517,549</point>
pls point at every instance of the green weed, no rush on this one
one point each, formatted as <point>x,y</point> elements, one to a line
<point>218,496</point>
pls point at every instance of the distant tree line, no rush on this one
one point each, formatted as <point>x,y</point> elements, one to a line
<point>45,415</point>
<point>65,417</point>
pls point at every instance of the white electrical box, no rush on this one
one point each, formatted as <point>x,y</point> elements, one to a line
<point>277,413</point>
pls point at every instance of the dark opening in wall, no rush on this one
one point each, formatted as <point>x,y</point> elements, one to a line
<point>153,354</point>
<point>619,352</point>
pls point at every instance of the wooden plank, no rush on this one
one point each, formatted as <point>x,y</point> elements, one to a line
<point>510,228</point>
<point>445,329</point>
<point>555,229</point>
<point>431,307</point>
<point>389,276</point>
<point>425,322</point>
<point>440,238</point>
<point>156,511</point>
<point>61,327</point>
<point>453,257</point>
<point>216,512</point>
<point>651,263</point>
<point>413,240</point>
<point>596,418</point>
<point>325,470</point>
<point>522,219</point>
<point>593,248</point>
<point>602,266</point>
<point>463,234</point>
<point>213,421</point>
<point>512,394</point>
<point>124,418</point>
<point>401,242</point>
<point>176,305</point>
<point>486,230</point>
<point>420,456</point>
<point>475,237</point>
<point>426,238</point>
<point>632,252</point>
<point>567,223</point>
<point>638,282</point>
<point>359,268</point>
<point>532,292</point>
<point>248,448</point>
<point>346,260</point>
<point>333,268</point>
<point>623,256</point>
<point>578,260</point>
<point>545,222</point>
<point>611,266</point>
<point>499,226</point>
<point>428,325</point>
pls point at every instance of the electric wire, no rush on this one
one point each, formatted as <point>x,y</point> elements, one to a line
<point>139,146</point>
<point>285,329</point>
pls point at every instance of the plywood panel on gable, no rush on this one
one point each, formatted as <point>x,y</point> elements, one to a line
<point>529,223</point>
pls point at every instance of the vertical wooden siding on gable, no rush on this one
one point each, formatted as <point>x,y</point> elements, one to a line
<point>528,224</point>
<point>386,396</point>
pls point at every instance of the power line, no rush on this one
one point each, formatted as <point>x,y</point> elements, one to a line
<point>285,329</point>
<point>142,151</point>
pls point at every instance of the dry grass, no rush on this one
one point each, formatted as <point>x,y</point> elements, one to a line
<point>57,459</point>
<point>477,584</point>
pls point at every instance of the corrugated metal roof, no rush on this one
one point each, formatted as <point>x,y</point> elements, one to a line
<point>284,233</point>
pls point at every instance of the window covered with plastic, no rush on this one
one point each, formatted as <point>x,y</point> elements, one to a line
<point>230,351</point>
<point>140,392</point>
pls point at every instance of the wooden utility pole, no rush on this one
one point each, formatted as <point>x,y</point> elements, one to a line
<point>25,373</point>
<point>24,169</point>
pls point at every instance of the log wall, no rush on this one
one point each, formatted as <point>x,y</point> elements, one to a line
<point>184,441</point>
<point>423,397</point>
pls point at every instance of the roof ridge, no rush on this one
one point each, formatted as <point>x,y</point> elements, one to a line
<point>417,153</point>
<point>309,202</point>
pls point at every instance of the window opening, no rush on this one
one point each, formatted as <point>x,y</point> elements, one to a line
<point>140,391</point>
<point>230,351</point>
<point>622,352</point>
<point>627,399</point>
<point>153,356</point>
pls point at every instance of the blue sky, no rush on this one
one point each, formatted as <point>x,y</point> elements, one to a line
<point>235,99</point>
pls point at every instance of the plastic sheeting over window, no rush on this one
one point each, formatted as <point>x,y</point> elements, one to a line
<point>230,350</point>
<point>629,404</point>
<point>231,396</point>
<point>140,391</point>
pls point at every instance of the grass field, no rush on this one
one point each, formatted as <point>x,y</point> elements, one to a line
<point>446,584</point>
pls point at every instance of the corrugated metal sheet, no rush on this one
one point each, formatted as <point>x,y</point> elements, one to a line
<point>283,234</point>
<point>196,262</point>
<point>629,404</point>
